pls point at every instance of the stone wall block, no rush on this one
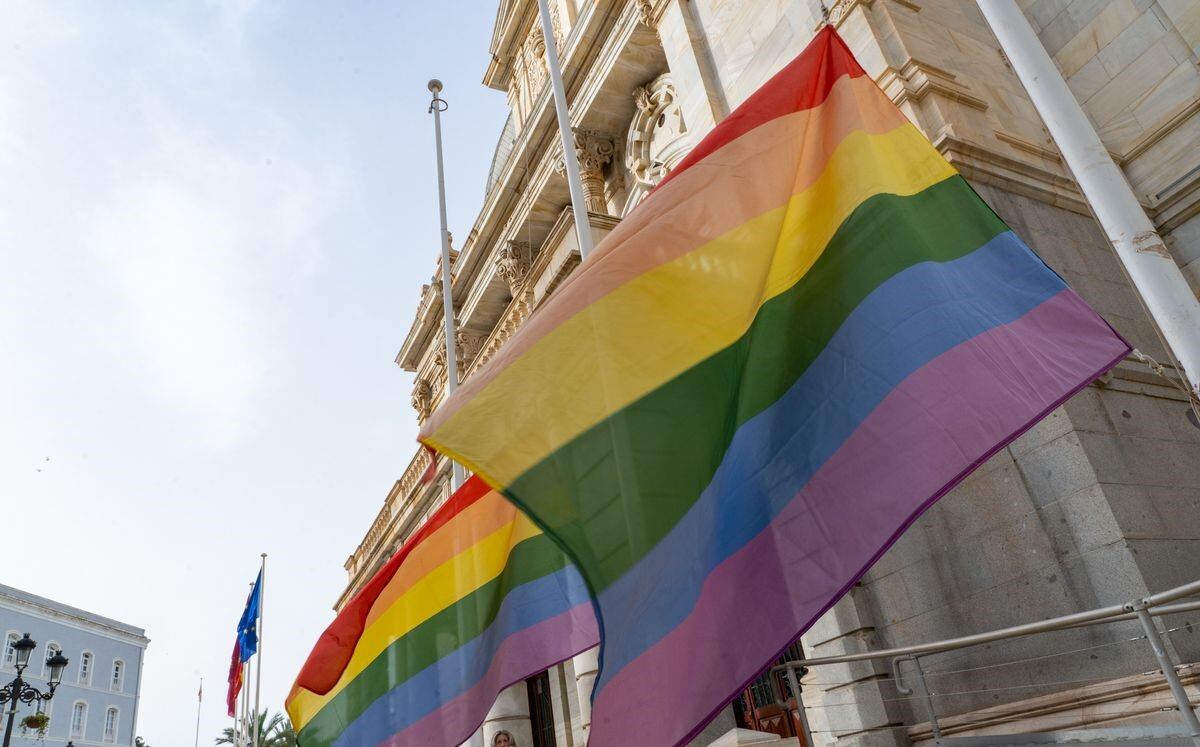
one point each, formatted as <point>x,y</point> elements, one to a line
<point>1056,469</point>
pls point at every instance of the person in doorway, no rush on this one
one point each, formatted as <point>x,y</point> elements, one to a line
<point>503,739</point>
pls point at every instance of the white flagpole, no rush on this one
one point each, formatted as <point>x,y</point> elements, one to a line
<point>246,666</point>
<point>1154,273</point>
<point>199,703</point>
<point>583,229</point>
<point>262,592</point>
<point>436,107</point>
<point>246,725</point>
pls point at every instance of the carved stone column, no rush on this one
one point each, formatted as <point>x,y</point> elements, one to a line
<point>513,263</point>
<point>593,150</point>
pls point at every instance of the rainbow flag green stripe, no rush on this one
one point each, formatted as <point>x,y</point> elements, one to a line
<point>809,333</point>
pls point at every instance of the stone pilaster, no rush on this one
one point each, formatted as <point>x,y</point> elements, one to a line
<point>587,666</point>
<point>593,151</point>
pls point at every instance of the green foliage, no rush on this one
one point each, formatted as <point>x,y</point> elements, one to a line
<point>37,723</point>
<point>273,731</point>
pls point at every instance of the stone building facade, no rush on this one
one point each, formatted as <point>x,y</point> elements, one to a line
<point>1096,505</point>
<point>97,702</point>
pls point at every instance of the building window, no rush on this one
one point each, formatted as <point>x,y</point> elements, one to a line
<point>541,710</point>
<point>52,648</point>
<point>10,652</point>
<point>78,719</point>
<point>118,675</point>
<point>110,725</point>
<point>85,668</point>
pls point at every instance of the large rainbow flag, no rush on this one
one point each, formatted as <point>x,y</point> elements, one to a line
<point>477,599</point>
<point>806,335</point>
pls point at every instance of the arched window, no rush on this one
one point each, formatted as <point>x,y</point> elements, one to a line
<point>52,648</point>
<point>110,725</point>
<point>78,719</point>
<point>118,676</point>
<point>85,668</point>
<point>10,652</point>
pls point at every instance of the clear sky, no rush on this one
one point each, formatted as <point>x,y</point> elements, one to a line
<point>215,219</point>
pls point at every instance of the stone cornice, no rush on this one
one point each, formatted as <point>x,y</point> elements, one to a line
<point>406,502</point>
<point>48,609</point>
<point>917,79</point>
<point>979,163</point>
<point>531,145</point>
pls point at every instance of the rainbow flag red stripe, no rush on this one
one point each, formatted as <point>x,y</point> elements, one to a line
<point>805,336</point>
<point>477,599</point>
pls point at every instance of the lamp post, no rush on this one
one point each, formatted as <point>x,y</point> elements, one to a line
<point>20,691</point>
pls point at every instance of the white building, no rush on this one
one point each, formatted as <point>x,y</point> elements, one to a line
<point>97,702</point>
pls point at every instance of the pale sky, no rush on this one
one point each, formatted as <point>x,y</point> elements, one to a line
<point>215,219</point>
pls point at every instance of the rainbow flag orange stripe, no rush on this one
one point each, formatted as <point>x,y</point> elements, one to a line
<point>476,599</point>
<point>806,335</point>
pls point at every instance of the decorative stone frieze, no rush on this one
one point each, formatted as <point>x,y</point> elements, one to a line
<point>516,314</point>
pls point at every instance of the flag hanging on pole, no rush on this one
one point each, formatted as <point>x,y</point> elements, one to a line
<point>477,599</point>
<point>244,645</point>
<point>235,679</point>
<point>809,332</point>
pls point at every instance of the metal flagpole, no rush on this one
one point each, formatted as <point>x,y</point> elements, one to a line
<point>583,229</point>
<point>246,667</point>
<point>1154,273</point>
<point>258,630</point>
<point>436,107</point>
<point>199,702</point>
<point>246,725</point>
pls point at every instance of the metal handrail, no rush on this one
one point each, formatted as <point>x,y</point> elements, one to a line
<point>1140,609</point>
<point>1114,613</point>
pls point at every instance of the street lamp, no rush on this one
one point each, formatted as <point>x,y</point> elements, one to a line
<point>21,691</point>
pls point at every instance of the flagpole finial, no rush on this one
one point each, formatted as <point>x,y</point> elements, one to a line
<point>438,103</point>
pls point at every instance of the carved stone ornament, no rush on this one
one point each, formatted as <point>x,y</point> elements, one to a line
<point>422,399</point>
<point>646,12</point>
<point>535,61</point>
<point>658,138</point>
<point>516,314</point>
<point>513,263</point>
<point>593,151</point>
<point>467,345</point>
